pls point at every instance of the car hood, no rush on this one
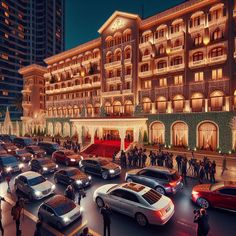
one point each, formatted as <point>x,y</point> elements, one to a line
<point>79,177</point>
<point>103,189</point>
<point>133,172</point>
<point>76,212</point>
<point>25,155</point>
<point>11,164</point>
<point>110,166</point>
<point>43,186</point>
<point>50,166</point>
<point>76,157</point>
<point>202,188</point>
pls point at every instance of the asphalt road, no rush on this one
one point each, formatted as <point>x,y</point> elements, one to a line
<point>222,222</point>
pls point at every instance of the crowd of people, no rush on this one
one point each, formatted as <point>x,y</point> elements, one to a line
<point>68,144</point>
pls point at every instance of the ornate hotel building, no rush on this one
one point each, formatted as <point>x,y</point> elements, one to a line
<point>171,75</point>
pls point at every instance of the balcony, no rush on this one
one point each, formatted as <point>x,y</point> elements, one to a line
<point>127,61</point>
<point>161,91</point>
<point>197,87</point>
<point>219,84</point>
<point>176,89</point>
<point>177,34</point>
<point>111,93</point>
<point>112,64</point>
<point>194,64</point>
<point>147,57</point>
<point>145,74</point>
<point>160,71</point>
<point>145,44</point>
<point>26,104</point>
<point>160,39</point>
<point>126,91</point>
<point>177,49</point>
<point>217,60</point>
<point>219,21</point>
<point>96,84</point>
<point>176,67</point>
<point>88,85</point>
<point>128,77</point>
<point>113,80</point>
<point>196,28</point>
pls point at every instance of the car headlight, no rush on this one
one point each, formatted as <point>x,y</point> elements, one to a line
<point>66,219</point>
<point>8,150</point>
<point>72,159</point>
<point>89,177</point>
<point>119,167</point>
<point>82,158</point>
<point>45,153</point>
<point>37,193</point>
<point>8,169</point>
<point>23,158</point>
<point>81,209</point>
<point>78,182</point>
<point>45,168</point>
<point>56,166</point>
<point>17,149</point>
<point>53,187</point>
<point>21,165</point>
<point>32,155</point>
<point>111,171</point>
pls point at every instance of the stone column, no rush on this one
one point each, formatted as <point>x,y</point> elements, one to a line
<point>153,108</point>
<point>79,131</point>
<point>92,133</point>
<point>206,105</point>
<point>122,138</point>
<point>136,134</point>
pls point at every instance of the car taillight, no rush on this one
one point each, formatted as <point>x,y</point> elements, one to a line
<point>159,213</point>
<point>173,183</point>
<point>195,192</point>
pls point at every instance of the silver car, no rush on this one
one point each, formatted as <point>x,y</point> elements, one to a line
<point>137,201</point>
<point>34,185</point>
<point>59,211</point>
<point>163,180</point>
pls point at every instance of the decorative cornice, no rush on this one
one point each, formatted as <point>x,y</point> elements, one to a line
<point>32,68</point>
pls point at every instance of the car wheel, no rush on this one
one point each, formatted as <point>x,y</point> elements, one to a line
<point>99,202</point>
<point>105,175</point>
<point>129,180</point>
<point>203,203</point>
<point>40,217</point>
<point>59,225</point>
<point>160,190</point>
<point>141,219</point>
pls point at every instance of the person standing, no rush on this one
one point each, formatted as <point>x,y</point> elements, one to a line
<point>70,193</point>
<point>16,214</point>
<point>81,194</point>
<point>202,219</point>
<point>106,213</point>
<point>178,160</point>
<point>184,169</point>
<point>224,164</point>
<point>1,227</point>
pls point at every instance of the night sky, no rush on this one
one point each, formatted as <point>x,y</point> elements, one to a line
<point>85,17</point>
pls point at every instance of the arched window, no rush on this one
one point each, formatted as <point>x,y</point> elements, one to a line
<point>161,104</point>
<point>129,108</point>
<point>146,52</point>
<point>176,61</point>
<point>198,39</point>
<point>96,109</point>
<point>108,108</point>
<point>217,101</point>
<point>180,134</point>
<point>89,110</point>
<point>161,64</point>
<point>216,52</point>
<point>127,53</point>
<point>197,102</point>
<point>118,56</point>
<point>144,67</point>
<point>116,108</point>
<point>217,34</point>
<point>147,105</point>
<point>178,103</point>
<point>109,57</point>
<point>198,56</point>
<point>161,50</point>
<point>158,132</point>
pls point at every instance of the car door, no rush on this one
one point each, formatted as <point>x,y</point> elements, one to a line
<point>50,215</point>
<point>59,157</point>
<point>97,169</point>
<point>145,177</point>
<point>65,178</point>
<point>114,200</point>
<point>226,198</point>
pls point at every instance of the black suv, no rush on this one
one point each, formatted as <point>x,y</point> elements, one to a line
<point>100,166</point>
<point>49,147</point>
<point>43,165</point>
<point>22,142</point>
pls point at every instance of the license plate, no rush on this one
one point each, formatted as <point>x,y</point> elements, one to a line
<point>167,209</point>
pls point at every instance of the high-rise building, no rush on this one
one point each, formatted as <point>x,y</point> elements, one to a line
<point>30,30</point>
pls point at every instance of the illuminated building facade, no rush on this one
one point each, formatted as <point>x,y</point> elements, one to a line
<point>171,75</point>
<point>30,31</point>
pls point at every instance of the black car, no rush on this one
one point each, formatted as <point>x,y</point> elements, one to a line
<point>23,142</point>
<point>49,147</point>
<point>100,166</point>
<point>7,138</point>
<point>72,176</point>
<point>43,165</point>
<point>9,164</point>
<point>36,151</point>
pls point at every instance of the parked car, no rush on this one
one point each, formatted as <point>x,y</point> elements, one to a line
<point>7,138</point>
<point>49,147</point>
<point>34,185</point>
<point>144,204</point>
<point>2,150</point>
<point>23,155</point>
<point>59,211</point>
<point>43,165</point>
<point>100,166</point>
<point>10,148</point>
<point>66,157</point>
<point>163,180</point>
<point>36,151</point>
<point>9,163</point>
<point>72,176</point>
<point>22,142</point>
<point>218,195</point>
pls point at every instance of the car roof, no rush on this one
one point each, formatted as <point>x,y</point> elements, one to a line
<point>32,146</point>
<point>47,142</point>
<point>29,174</point>
<point>23,138</point>
<point>135,188</point>
<point>42,159</point>
<point>96,159</point>
<point>161,169</point>
<point>53,201</point>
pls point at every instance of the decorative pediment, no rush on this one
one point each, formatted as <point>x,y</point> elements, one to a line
<point>118,20</point>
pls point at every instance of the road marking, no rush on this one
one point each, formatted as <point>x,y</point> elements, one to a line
<point>52,230</point>
<point>94,233</point>
<point>186,224</point>
<point>78,228</point>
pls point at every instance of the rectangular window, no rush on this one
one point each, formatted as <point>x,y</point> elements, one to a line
<point>198,76</point>
<point>163,82</point>
<point>147,84</point>
<point>6,36</point>
<point>178,80</point>
<point>4,92</point>
<point>217,74</point>
<point>4,56</point>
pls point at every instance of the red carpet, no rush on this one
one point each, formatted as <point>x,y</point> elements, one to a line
<point>104,148</point>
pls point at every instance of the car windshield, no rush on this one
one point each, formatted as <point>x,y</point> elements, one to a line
<point>36,180</point>
<point>45,162</point>
<point>8,160</point>
<point>69,153</point>
<point>174,177</point>
<point>216,186</point>
<point>56,146</point>
<point>73,172</point>
<point>64,207</point>
<point>152,196</point>
<point>103,162</point>
<point>21,152</point>
<point>28,141</point>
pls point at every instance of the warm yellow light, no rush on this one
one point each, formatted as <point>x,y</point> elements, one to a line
<point>206,40</point>
<point>168,50</point>
<point>82,73</point>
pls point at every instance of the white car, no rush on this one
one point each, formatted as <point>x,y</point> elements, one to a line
<point>34,185</point>
<point>144,204</point>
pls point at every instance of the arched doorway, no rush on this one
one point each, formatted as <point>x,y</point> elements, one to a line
<point>158,132</point>
<point>58,129</point>
<point>180,134</point>
<point>50,129</point>
<point>217,101</point>
<point>117,108</point>
<point>207,136</point>
<point>197,102</point>
<point>129,108</point>
<point>66,129</point>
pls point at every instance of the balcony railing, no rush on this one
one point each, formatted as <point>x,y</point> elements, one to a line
<point>144,74</point>
<point>160,39</point>
<point>176,49</point>
<point>116,92</point>
<point>114,80</point>
<point>196,28</point>
<point>161,91</point>
<point>219,21</point>
<point>176,89</point>
<point>96,84</point>
<point>219,84</point>
<point>176,67</point>
<point>145,44</point>
<point>197,63</point>
<point>127,61</point>
<point>160,70</point>
<point>112,64</point>
<point>197,87</point>
<point>147,57</point>
<point>219,59</point>
<point>128,77</point>
<point>126,91</point>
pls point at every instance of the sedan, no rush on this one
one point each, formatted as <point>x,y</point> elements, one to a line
<point>101,167</point>
<point>34,185</point>
<point>43,165</point>
<point>10,148</point>
<point>72,176</point>
<point>219,195</point>
<point>23,155</point>
<point>36,151</point>
<point>142,203</point>
<point>66,157</point>
<point>9,164</point>
<point>59,211</point>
